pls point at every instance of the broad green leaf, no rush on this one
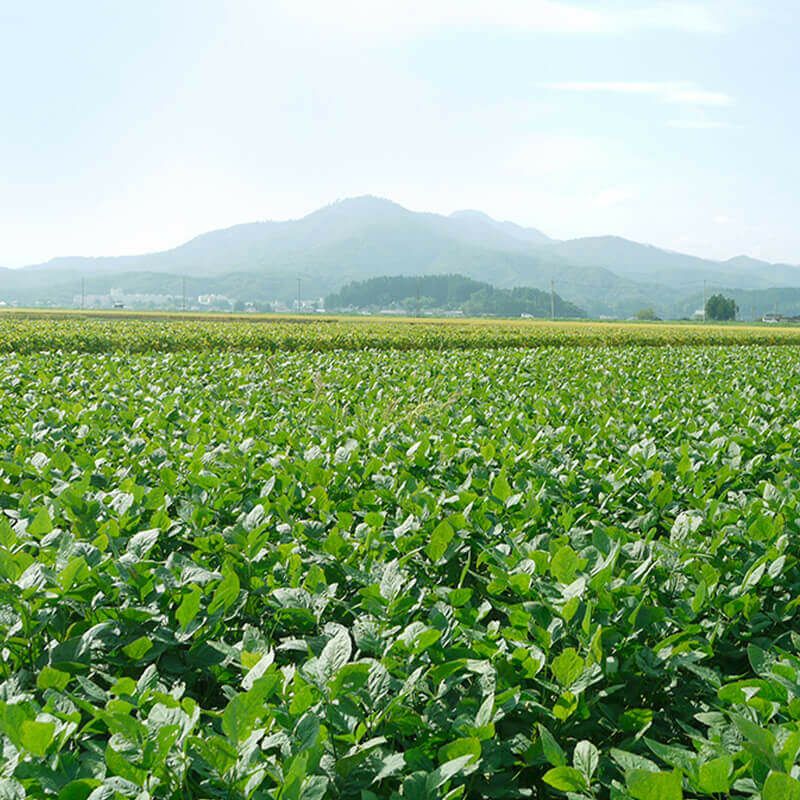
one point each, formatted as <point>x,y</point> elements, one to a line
<point>715,775</point>
<point>585,758</point>
<point>440,538</point>
<point>780,786</point>
<point>501,488</point>
<point>138,648</point>
<point>37,736</point>
<point>567,667</point>
<point>646,785</point>
<point>240,715</point>
<point>41,523</point>
<point>50,678</point>
<point>565,564</point>
<point>460,747</point>
<point>78,789</point>
<point>335,654</point>
<point>565,779</point>
<point>189,607</point>
<point>226,593</point>
<point>552,750</point>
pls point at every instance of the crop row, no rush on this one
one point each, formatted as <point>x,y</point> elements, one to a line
<point>36,333</point>
<point>555,572</point>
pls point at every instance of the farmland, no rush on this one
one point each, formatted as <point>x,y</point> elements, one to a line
<point>143,332</point>
<point>397,559</point>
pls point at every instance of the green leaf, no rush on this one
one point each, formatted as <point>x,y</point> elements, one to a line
<point>216,752</point>
<point>565,706</point>
<point>335,654</point>
<point>140,544</point>
<point>41,523</point>
<point>440,538</point>
<point>349,678</point>
<point>138,648</point>
<point>121,766</point>
<point>37,736</point>
<point>190,605</point>
<point>459,597</point>
<point>565,779</point>
<point>460,747</point>
<point>124,685</point>
<point>568,667</point>
<point>78,789</point>
<point>760,740</point>
<point>240,715</point>
<point>565,564</point>
<point>780,786</point>
<point>636,720</point>
<point>586,758</point>
<point>448,770</point>
<point>645,785</point>
<point>12,790</point>
<point>500,487</point>
<point>227,591</point>
<point>551,748</point>
<point>714,776</point>
<point>50,678</point>
<point>258,670</point>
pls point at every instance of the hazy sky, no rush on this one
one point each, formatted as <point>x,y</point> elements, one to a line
<point>132,126</point>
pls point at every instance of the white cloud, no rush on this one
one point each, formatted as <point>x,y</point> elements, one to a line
<point>722,219</point>
<point>698,124</point>
<point>545,16</point>
<point>677,92</point>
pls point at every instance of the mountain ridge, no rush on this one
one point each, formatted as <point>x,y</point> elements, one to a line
<point>368,236</point>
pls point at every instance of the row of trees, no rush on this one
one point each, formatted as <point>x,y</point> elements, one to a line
<point>718,308</point>
<point>449,293</point>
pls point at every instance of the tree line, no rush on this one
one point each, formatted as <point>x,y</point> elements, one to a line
<point>452,292</point>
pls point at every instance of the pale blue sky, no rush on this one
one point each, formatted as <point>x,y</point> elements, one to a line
<point>132,126</point>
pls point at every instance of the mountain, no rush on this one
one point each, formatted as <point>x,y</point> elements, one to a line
<point>476,223</point>
<point>642,262</point>
<point>365,237</point>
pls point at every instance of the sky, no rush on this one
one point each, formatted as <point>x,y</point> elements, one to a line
<point>131,127</point>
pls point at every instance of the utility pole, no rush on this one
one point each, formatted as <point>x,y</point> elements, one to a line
<point>552,301</point>
<point>83,293</point>
<point>298,294</point>
<point>417,314</point>
<point>183,293</point>
<point>704,301</point>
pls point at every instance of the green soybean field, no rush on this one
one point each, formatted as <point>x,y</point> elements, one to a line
<point>398,572</point>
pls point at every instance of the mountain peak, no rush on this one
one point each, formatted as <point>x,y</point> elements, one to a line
<point>746,261</point>
<point>471,213</point>
<point>362,204</point>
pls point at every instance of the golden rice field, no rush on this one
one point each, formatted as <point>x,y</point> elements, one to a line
<point>167,332</point>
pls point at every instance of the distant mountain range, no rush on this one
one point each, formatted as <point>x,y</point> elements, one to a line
<point>367,236</point>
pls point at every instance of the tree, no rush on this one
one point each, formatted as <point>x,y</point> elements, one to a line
<point>719,307</point>
<point>646,313</point>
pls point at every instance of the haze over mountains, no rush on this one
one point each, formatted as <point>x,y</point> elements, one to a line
<point>367,236</point>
